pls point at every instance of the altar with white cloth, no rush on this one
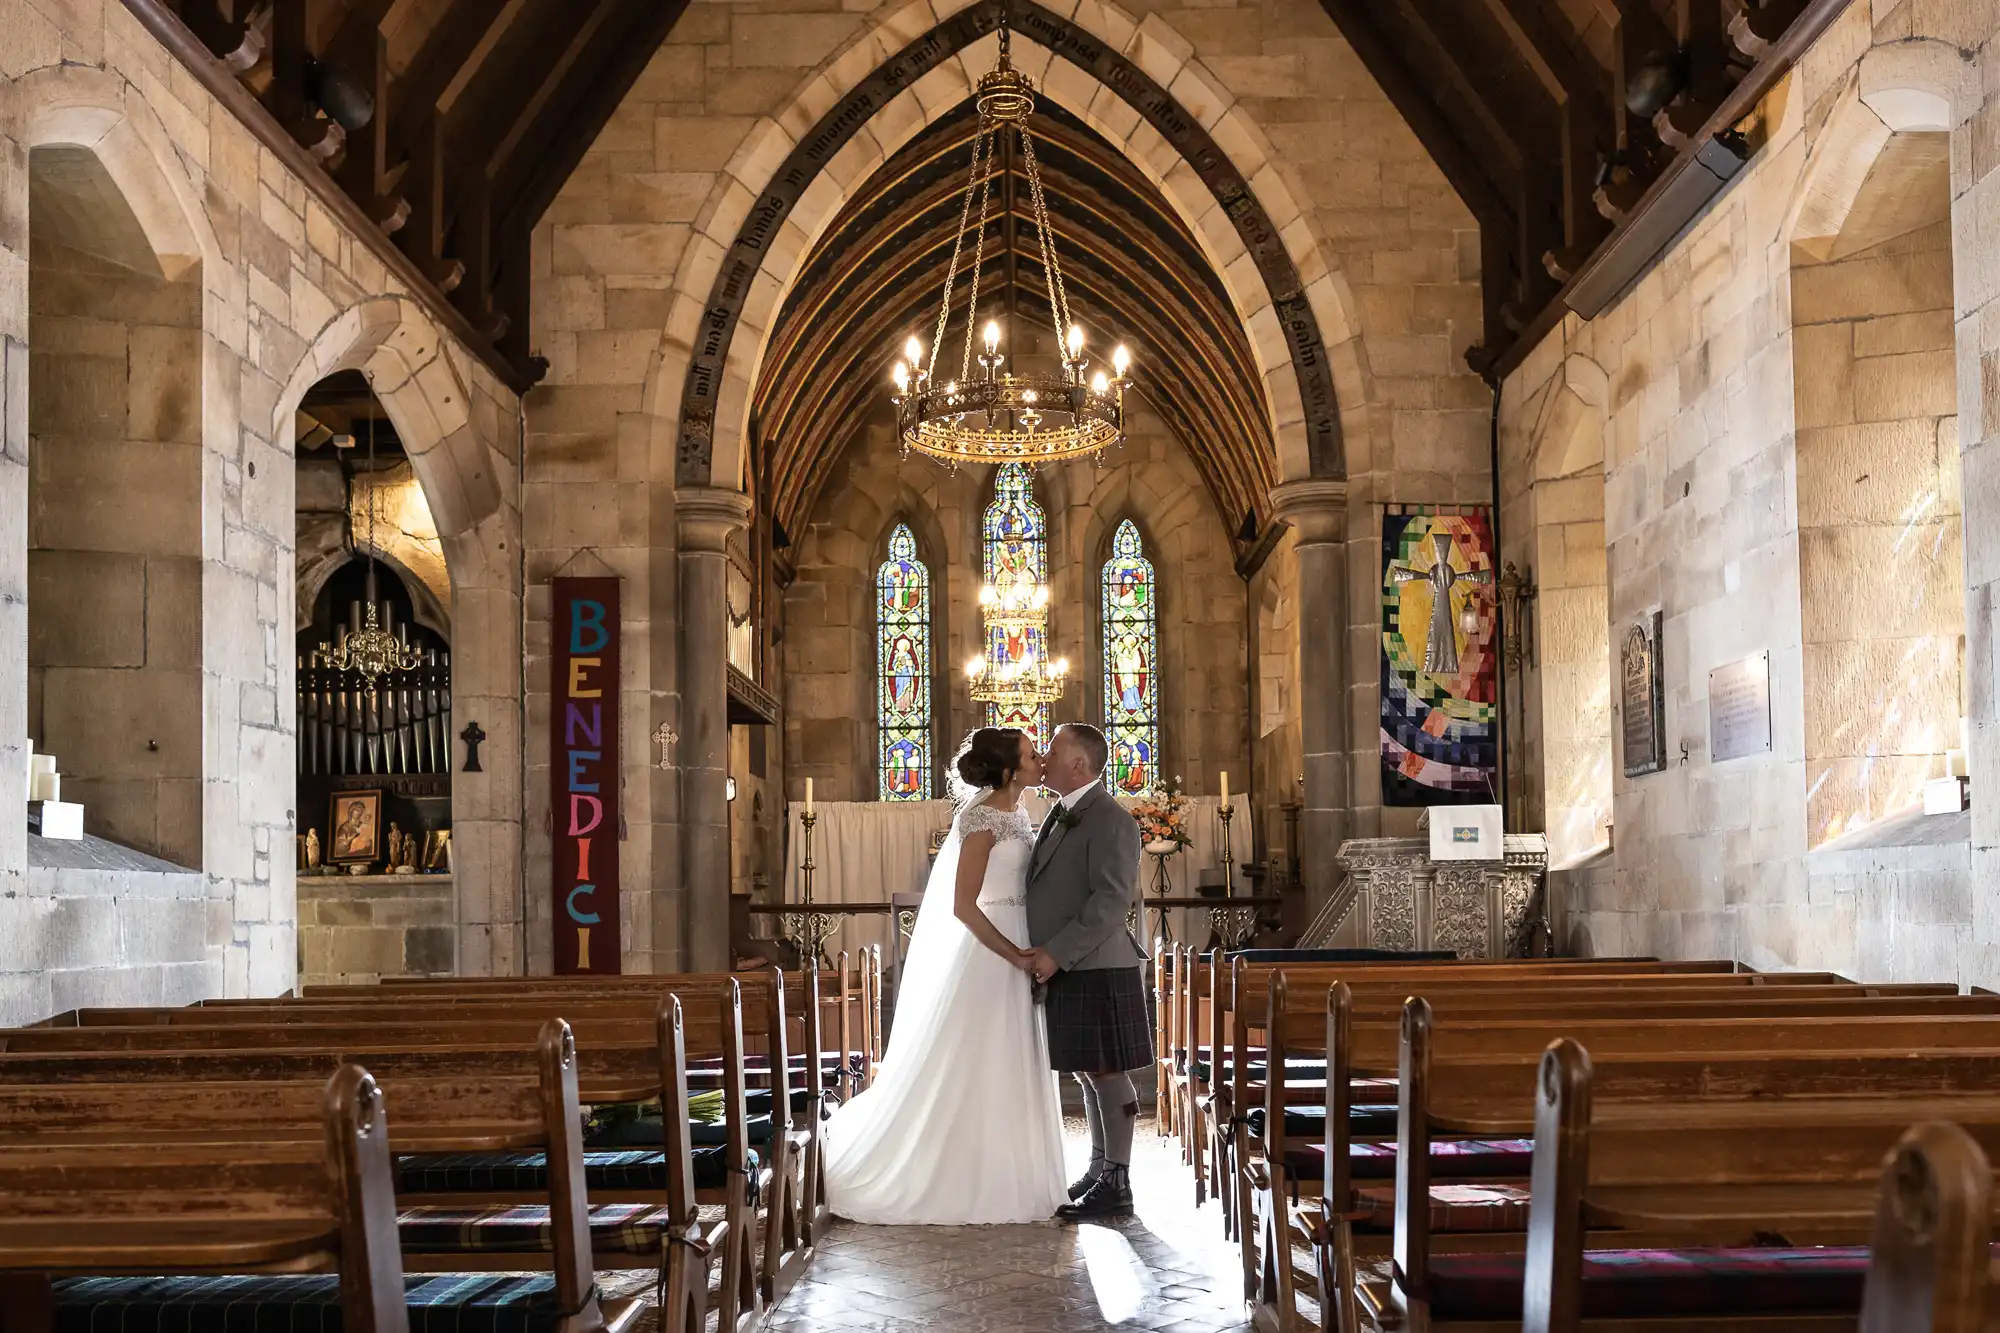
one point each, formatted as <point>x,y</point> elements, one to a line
<point>869,851</point>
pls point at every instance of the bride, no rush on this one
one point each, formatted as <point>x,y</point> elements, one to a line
<point>962,1124</point>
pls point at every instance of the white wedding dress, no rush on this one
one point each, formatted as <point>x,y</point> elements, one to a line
<point>962,1125</point>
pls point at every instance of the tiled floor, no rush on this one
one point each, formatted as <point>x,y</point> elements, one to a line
<point>1168,1268</point>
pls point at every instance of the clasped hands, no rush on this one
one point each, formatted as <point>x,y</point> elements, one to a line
<point>1037,963</point>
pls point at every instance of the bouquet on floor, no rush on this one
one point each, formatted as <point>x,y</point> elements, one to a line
<point>1163,819</point>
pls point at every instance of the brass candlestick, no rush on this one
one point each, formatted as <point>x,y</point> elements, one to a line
<point>807,928</point>
<point>1232,925</point>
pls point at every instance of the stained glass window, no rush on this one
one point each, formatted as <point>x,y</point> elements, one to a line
<point>1131,650</point>
<point>903,671</point>
<point>1017,551</point>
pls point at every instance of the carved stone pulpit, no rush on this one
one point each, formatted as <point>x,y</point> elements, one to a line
<point>1396,897</point>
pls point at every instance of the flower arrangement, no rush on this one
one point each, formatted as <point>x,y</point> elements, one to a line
<point>1162,817</point>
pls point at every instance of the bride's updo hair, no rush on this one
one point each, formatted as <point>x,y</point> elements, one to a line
<point>989,758</point>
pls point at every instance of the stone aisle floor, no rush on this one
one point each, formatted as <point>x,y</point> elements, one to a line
<point>1166,1269</point>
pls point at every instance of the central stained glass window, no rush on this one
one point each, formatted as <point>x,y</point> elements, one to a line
<point>1017,551</point>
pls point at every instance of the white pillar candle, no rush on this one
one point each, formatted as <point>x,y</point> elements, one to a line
<point>1225,786</point>
<point>809,795</point>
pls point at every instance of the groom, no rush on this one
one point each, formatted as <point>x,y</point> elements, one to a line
<point>1081,884</point>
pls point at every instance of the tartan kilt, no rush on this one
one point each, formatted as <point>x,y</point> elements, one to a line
<point>1098,1021</point>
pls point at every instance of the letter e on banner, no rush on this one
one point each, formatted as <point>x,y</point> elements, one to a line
<point>583,773</point>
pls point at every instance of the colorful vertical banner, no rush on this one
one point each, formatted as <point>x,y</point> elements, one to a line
<point>583,773</point>
<point>1440,741</point>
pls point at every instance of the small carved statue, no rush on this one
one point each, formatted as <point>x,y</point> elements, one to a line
<point>312,849</point>
<point>395,846</point>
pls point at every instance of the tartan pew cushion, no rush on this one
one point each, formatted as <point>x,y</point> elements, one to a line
<point>1301,1069</point>
<point>1691,1282</point>
<point>454,1303</point>
<point>706,1071</point>
<point>1310,1121</point>
<point>1453,1207</point>
<point>625,1227</point>
<point>528,1172</point>
<point>1451,1159</point>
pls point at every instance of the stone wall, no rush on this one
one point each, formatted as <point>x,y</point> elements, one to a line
<point>1721,507</point>
<point>355,930</point>
<point>114,518</point>
<point>829,640</point>
<point>1881,573</point>
<point>286,296</point>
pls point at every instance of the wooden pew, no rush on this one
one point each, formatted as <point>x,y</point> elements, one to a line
<point>290,1206</point>
<point>1928,1268</point>
<point>1609,997</point>
<point>607,1077</point>
<point>1206,990</point>
<point>1740,1184</point>
<point>1496,1105</point>
<point>622,1059</point>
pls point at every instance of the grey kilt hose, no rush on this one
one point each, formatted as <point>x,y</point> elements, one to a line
<point>1098,1022</point>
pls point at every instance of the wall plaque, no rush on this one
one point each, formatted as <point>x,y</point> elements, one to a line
<point>1739,709</point>
<point>1641,700</point>
<point>583,773</point>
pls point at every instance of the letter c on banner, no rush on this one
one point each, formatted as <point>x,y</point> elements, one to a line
<point>580,917</point>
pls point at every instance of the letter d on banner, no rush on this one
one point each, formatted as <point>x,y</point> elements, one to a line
<point>583,708</point>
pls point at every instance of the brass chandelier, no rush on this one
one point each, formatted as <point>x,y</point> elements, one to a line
<point>999,415</point>
<point>1018,609</point>
<point>371,652</point>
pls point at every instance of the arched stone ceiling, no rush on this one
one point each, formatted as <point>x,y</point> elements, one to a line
<point>1131,269</point>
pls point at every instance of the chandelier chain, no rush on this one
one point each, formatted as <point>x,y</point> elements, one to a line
<point>978,256</point>
<point>957,249</point>
<point>1044,229</point>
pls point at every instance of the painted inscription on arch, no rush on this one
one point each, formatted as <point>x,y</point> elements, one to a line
<point>583,773</point>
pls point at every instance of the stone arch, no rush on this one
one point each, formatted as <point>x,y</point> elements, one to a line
<point>425,607</point>
<point>1134,82</point>
<point>1881,603</point>
<point>409,363</point>
<point>81,107</point>
<point>1569,432</point>
<point>404,355</point>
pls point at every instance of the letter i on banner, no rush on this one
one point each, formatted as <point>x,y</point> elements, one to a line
<point>583,773</point>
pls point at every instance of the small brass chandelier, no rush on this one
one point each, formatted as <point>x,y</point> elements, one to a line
<point>1000,415</point>
<point>371,652</point>
<point>1026,683</point>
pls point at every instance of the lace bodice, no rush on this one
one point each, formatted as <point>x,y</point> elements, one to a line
<point>1013,843</point>
<point>1002,824</point>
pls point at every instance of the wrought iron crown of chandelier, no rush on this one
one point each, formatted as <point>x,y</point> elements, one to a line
<point>371,652</point>
<point>998,414</point>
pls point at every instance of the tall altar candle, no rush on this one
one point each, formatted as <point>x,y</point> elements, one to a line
<point>809,795</point>
<point>1225,786</point>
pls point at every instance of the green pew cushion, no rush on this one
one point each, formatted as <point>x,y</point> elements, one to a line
<point>525,1228</point>
<point>445,1303</point>
<point>1451,1159</point>
<point>528,1172</point>
<point>1453,1207</point>
<point>1310,1121</point>
<point>1695,1282</point>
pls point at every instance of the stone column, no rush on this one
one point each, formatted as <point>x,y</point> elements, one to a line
<point>706,516</point>
<point>1317,512</point>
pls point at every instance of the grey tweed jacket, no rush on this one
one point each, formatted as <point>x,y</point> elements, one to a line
<point>1082,882</point>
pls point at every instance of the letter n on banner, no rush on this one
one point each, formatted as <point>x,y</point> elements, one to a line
<point>583,773</point>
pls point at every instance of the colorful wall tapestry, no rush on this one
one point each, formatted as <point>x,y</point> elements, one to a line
<point>1131,645</point>
<point>903,671</point>
<point>583,770</point>
<point>1017,552</point>
<point>1440,742</point>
